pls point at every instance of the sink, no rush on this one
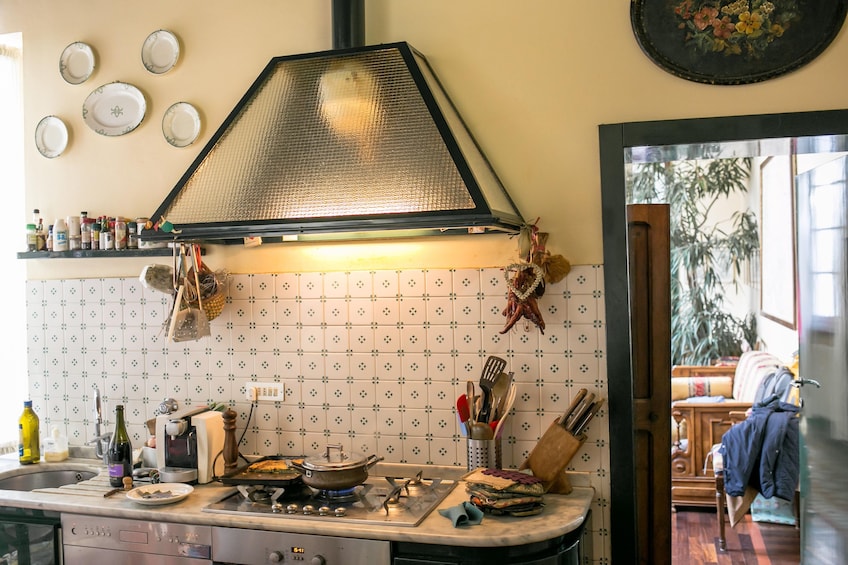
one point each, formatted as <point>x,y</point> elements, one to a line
<point>45,478</point>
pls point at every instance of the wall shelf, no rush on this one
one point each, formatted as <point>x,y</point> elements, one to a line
<point>97,253</point>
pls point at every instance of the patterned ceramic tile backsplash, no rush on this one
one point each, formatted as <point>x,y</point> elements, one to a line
<point>374,360</point>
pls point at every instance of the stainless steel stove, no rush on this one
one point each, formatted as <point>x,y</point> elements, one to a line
<point>399,501</point>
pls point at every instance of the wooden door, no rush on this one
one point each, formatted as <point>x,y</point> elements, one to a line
<point>650,320</point>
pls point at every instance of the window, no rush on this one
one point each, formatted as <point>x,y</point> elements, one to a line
<point>12,283</point>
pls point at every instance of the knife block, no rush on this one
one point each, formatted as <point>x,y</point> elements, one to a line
<point>551,456</point>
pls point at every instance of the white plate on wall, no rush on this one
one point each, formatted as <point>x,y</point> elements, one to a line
<point>160,52</point>
<point>181,124</point>
<point>114,109</point>
<point>161,493</point>
<point>76,63</point>
<point>51,136</point>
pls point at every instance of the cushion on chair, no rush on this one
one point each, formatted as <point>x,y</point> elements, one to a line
<point>753,367</point>
<point>688,387</point>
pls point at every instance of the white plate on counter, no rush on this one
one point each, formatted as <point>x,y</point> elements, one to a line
<point>76,63</point>
<point>161,493</point>
<point>51,136</point>
<point>114,109</point>
<point>181,124</point>
<point>160,52</point>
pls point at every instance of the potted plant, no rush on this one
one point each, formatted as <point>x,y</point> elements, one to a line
<point>703,248</point>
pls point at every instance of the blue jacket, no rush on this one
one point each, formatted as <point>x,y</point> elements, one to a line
<point>763,452</point>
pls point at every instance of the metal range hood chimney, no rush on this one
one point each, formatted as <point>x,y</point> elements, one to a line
<point>356,142</point>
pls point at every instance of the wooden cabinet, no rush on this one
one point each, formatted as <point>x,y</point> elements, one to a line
<point>705,423</point>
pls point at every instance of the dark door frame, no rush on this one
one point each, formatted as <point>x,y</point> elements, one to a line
<point>614,139</point>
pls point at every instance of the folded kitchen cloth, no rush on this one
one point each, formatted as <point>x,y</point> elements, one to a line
<point>465,514</point>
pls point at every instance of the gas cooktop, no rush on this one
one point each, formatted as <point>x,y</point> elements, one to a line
<point>398,501</point>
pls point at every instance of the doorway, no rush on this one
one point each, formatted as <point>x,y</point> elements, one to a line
<point>615,141</point>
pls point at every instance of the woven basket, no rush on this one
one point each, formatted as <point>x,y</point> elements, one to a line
<point>214,305</point>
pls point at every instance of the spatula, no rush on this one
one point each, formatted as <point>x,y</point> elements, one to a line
<point>498,391</point>
<point>491,370</point>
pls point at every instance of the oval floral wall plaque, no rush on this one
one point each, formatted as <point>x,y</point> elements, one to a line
<point>734,42</point>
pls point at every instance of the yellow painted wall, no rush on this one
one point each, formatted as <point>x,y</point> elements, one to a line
<point>532,79</point>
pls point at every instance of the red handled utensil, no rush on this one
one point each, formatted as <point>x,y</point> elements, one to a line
<point>462,408</point>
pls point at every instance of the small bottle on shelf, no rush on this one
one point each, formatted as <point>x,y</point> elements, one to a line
<point>60,235</point>
<point>31,238</point>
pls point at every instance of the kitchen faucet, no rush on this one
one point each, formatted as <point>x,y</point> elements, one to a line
<point>101,440</point>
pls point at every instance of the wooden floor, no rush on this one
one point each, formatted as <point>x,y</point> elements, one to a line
<point>694,541</point>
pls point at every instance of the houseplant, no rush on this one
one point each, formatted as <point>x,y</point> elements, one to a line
<point>705,247</point>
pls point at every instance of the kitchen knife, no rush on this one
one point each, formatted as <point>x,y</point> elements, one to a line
<point>578,414</point>
<point>563,420</point>
<point>587,417</point>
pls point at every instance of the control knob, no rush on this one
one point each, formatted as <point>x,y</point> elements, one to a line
<point>276,557</point>
<point>318,560</point>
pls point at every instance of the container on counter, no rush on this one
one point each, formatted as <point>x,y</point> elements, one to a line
<point>55,446</point>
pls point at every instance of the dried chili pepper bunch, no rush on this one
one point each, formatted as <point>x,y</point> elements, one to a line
<point>526,280</point>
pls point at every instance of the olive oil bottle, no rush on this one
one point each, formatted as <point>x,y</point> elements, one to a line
<point>28,436</point>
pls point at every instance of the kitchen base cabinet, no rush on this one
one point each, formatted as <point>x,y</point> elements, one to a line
<point>570,549</point>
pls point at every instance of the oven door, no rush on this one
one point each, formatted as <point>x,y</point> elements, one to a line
<point>29,536</point>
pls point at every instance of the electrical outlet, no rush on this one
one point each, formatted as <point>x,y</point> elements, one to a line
<point>272,392</point>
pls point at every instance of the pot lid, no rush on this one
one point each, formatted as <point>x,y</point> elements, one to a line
<point>335,459</point>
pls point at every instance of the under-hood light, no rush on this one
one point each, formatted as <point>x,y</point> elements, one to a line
<point>344,144</point>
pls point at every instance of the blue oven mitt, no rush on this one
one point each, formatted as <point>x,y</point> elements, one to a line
<point>465,514</point>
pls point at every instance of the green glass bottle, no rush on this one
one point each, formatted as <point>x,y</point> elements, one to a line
<point>28,436</point>
<point>120,451</point>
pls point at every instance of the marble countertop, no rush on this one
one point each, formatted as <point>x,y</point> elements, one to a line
<point>561,515</point>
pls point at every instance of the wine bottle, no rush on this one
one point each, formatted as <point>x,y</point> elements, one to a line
<point>28,438</point>
<point>120,451</point>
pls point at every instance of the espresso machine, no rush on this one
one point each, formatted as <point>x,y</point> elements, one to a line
<point>188,442</point>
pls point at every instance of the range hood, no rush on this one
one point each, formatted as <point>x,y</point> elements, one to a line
<point>349,143</point>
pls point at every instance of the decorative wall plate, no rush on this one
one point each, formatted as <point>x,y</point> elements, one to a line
<point>733,41</point>
<point>51,136</point>
<point>160,52</point>
<point>114,109</point>
<point>76,63</point>
<point>181,124</point>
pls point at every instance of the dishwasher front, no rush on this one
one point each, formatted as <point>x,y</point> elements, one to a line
<point>97,539</point>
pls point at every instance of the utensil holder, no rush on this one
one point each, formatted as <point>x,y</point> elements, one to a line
<point>484,453</point>
<point>551,456</point>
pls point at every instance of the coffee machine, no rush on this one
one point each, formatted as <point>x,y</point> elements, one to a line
<point>187,444</point>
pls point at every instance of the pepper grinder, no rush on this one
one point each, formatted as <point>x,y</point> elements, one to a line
<point>230,451</point>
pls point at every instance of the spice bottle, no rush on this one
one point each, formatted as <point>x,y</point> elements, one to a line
<point>95,234</point>
<point>48,242</point>
<point>120,233</point>
<point>132,235</point>
<point>85,231</point>
<point>31,238</point>
<point>74,233</point>
<point>28,438</point>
